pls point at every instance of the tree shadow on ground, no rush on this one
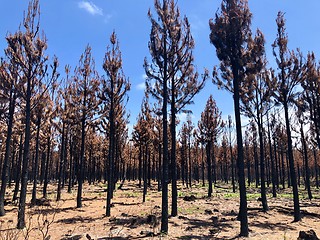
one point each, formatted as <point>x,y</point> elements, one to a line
<point>128,237</point>
<point>289,211</point>
<point>272,226</point>
<point>213,228</point>
<point>132,221</point>
<point>51,210</point>
<point>205,237</point>
<point>126,204</point>
<point>196,237</point>
<point>87,199</point>
<point>78,219</point>
<point>114,238</point>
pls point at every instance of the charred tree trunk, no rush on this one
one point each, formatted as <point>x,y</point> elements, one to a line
<point>256,163</point>
<point>283,175</point>
<point>202,166</point>
<point>174,196</point>
<point>262,167</point>
<point>306,161</point>
<point>208,148</point>
<point>46,174</point>
<point>36,163</point>
<point>316,167</point>
<point>145,184</point>
<point>297,216</point>
<point>62,155</point>
<point>26,157</point>
<point>6,163</point>
<point>18,170</point>
<point>272,160</point>
<point>243,211</point>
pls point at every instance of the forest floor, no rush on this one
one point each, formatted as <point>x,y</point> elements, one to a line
<point>199,217</point>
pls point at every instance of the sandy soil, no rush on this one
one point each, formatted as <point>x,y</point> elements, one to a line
<point>200,218</point>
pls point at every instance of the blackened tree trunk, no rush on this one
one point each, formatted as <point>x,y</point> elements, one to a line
<point>202,166</point>
<point>283,175</point>
<point>256,163</point>
<point>232,158</point>
<point>190,165</point>
<point>26,158</point>
<point>243,212</point>
<point>293,177</point>
<point>272,160</point>
<point>62,159</point>
<point>46,174</point>
<point>165,164</point>
<point>111,155</point>
<point>145,185</point>
<point>159,166</point>
<point>248,160</point>
<point>209,150</point>
<point>140,164</point>
<point>18,170</point>
<point>316,167</point>
<point>36,163</point>
<point>173,166</point>
<point>262,167</point>
<point>71,166</point>
<point>306,161</point>
<point>6,163</point>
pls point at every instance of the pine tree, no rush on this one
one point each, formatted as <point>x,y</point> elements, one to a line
<point>26,50</point>
<point>210,127</point>
<point>9,76</point>
<point>112,96</point>
<point>86,83</point>
<point>291,74</point>
<point>255,97</point>
<point>142,136</point>
<point>231,35</point>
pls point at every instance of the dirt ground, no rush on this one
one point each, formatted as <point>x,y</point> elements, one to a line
<point>199,217</point>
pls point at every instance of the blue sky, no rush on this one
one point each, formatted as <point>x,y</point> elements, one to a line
<point>70,25</point>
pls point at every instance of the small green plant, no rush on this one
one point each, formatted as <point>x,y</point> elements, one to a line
<point>231,195</point>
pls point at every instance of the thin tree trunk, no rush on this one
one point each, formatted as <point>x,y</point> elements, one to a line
<point>306,162</point>
<point>283,175</point>
<point>145,156</point>
<point>46,180</point>
<point>18,170</point>
<point>174,195</point>
<point>256,163</point>
<point>81,164</point>
<point>165,164</point>
<point>243,212</point>
<point>189,160</point>
<point>26,157</point>
<point>262,167</point>
<point>111,156</point>
<point>71,172</point>
<point>209,147</point>
<point>62,155</point>
<point>316,167</point>
<point>36,163</point>
<point>202,166</point>
<point>140,167</point>
<point>6,163</point>
<point>159,167</point>
<point>232,161</point>
<point>272,160</point>
<point>248,163</point>
<point>297,216</point>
